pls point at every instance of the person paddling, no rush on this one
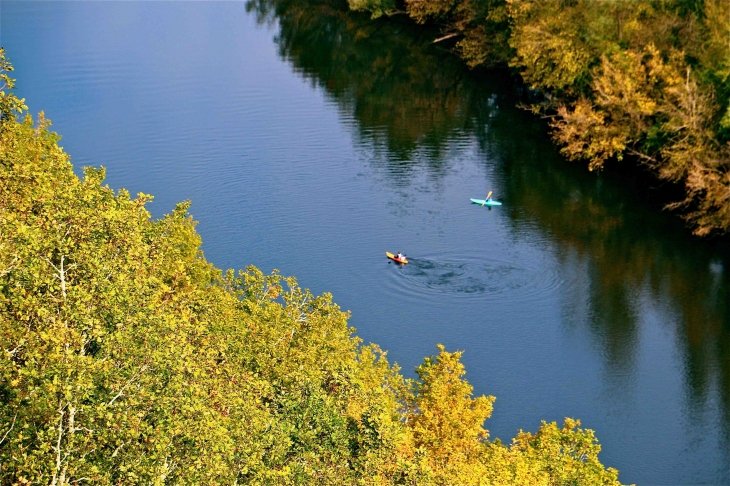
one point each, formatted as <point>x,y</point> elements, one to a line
<point>400,256</point>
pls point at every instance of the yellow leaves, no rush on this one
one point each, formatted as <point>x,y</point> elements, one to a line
<point>619,75</point>
<point>630,91</point>
<point>446,423</point>
<point>625,82</point>
<point>714,51</point>
<point>553,455</point>
<point>421,10</point>
<point>376,7</point>
<point>682,111</point>
<point>550,48</point>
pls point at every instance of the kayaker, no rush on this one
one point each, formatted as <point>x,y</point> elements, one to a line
<point>399,256</point>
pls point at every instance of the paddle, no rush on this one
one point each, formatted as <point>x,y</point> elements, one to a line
<point>487,198</point>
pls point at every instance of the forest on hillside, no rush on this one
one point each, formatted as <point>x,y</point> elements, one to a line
<point>645,82</point>
<point>128,358</point>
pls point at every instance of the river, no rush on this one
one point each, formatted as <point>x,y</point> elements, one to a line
<point>312,140</point>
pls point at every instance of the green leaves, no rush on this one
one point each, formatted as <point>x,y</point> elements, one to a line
<point>10,105</point>
<point>377,8</point>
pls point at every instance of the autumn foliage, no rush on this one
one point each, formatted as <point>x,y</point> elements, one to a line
<point>647,80</point>
<point>640,80</point>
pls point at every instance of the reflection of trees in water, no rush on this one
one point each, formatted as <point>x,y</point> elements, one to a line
<point>411,101</point>
<point>407,96</point>
<point>627,251</point>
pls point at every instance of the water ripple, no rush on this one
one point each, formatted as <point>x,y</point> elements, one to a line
<point>476,277</point>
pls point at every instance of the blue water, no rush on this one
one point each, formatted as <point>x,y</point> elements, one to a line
<point>312,141</point>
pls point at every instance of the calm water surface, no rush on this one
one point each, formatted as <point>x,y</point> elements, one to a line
<point>312,141</point>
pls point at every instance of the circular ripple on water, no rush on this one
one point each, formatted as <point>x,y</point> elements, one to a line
<point>477,277</point>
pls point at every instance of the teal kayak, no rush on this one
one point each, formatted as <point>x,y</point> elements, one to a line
<point>486,202</point>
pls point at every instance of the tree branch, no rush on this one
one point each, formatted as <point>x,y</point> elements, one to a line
<point>11,428</point>
<point>448,36</point>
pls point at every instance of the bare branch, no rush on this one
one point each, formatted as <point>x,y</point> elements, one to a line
<point>9,268</point>
<point>57,472</point>
<point>448,36</point>
<point>61,273</point>
<point>129,382</point>
<point>11,428</point>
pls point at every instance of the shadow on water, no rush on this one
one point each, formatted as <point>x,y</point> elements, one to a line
<point>625,249</point>
<point>412,102</point>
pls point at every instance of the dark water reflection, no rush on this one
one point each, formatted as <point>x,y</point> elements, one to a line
<point>577,297</point>
<point>630,254</point>
<point>410,99</point>
<point>412,102</point>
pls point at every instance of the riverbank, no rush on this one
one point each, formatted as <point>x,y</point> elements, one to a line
<point>627,82</point>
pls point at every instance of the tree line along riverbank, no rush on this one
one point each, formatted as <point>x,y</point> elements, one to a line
<point>127,358</point>
<point>639,82</point>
